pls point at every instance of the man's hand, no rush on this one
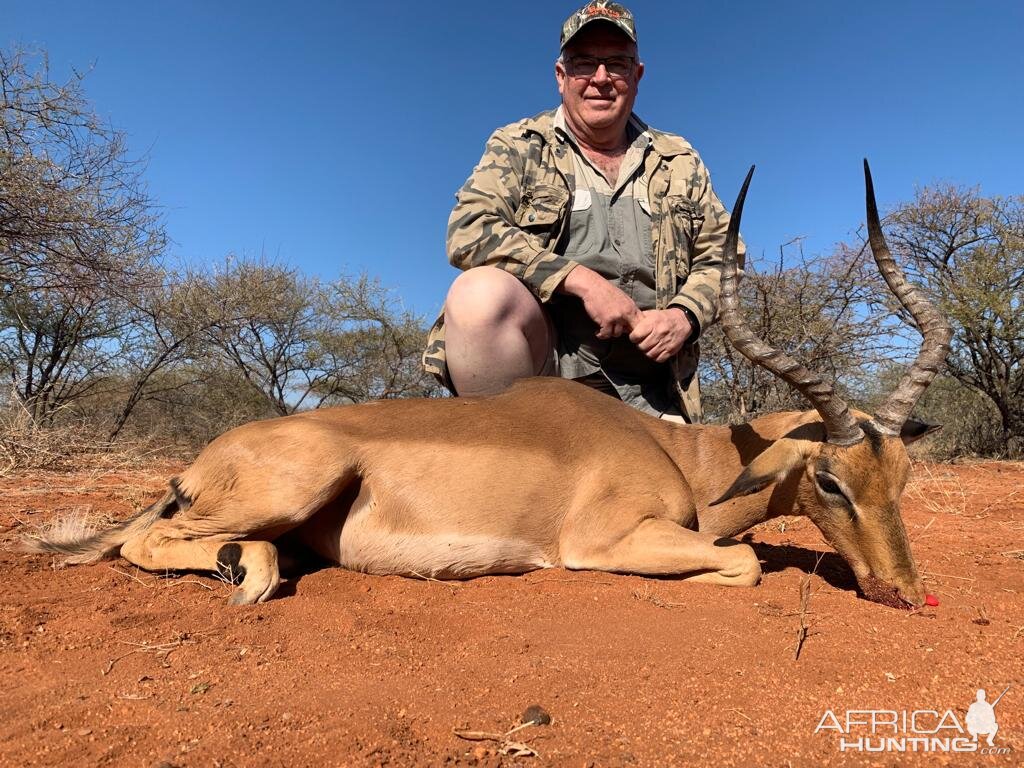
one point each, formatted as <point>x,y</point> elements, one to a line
<point>661,333</point>
<point>614,312</point>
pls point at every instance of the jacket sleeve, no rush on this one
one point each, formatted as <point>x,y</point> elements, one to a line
<point>699,292</point>
<point>497,223</point>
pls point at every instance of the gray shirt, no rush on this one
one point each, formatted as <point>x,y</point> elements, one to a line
<point>609,231</point>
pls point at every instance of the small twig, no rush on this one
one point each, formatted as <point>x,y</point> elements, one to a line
<point>131,576</point>
<point>805,598</point>
<point>929,525</point>
<point>505,745</point>
<point>949,576</point>
<point>1007,497</point>
<point>566,581</point>
<point>520,727</point>
<point>448,584</point>
<point>161,649</point>
<point>112,662</point>
<point>178,582</point>
<point>741,713</point>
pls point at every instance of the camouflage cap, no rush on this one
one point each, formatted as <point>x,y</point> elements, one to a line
<point>599,10</point>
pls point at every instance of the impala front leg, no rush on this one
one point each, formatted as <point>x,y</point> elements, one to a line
<point>251,565</point>
<point>660,547</point>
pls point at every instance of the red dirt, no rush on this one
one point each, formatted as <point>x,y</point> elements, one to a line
<point>108,665</point>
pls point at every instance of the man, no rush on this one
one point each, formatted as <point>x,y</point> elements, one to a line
<point>591,242</point>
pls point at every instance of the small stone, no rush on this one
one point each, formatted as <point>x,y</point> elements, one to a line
<point>537,715</point>
<point>83,731</point>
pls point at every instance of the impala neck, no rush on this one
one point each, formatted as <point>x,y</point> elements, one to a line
<point>711,457</point>
<point>738,515</point>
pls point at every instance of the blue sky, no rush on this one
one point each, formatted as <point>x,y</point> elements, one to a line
<point>333,135</point>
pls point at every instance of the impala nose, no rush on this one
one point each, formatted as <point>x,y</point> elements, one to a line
<point>913,594</point>
<point>895,596</point>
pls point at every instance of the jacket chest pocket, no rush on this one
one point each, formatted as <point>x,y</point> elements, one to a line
<point>542,209</point>
<point>687,219</point>
<point>685,223</point>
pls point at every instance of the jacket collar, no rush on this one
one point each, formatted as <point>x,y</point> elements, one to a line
<point>665,144</point>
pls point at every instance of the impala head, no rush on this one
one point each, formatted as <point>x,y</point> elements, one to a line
<point>853,467</point>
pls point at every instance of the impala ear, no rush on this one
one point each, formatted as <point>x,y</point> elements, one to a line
<point>781,458</point>
<point>913,430</point>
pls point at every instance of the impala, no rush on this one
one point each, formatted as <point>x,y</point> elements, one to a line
<point>548,474</point>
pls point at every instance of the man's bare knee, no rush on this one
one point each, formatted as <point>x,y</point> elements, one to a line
<point>486,298</point>
<point>495,332</point>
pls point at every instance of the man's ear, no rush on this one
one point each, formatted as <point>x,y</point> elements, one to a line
<point>781,458</point>
<point>560,75</point>
<point>913,431</point>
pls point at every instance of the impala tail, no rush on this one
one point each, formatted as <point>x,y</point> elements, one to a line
<point>81,540</point>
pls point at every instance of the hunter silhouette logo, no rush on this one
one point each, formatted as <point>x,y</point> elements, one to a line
<point>981,717</point>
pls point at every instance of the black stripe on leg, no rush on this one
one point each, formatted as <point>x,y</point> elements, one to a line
<point>229,566</point>
<point>182,502</point>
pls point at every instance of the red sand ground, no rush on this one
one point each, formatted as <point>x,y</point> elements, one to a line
<point>108,665</point>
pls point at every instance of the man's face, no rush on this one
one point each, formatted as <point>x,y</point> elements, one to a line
<point>601,100</point>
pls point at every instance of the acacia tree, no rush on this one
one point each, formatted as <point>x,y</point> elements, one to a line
<point>370,346</point>
<point>821,311</point>
<point>968,252</point>
<point>57,343</point>
<point>72,203</point>
<point>78,234</point>
<point>303,343</point>
<point>167,320</point>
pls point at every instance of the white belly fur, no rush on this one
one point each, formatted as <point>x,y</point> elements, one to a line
<point>367,548</point>
<point>365,544</point>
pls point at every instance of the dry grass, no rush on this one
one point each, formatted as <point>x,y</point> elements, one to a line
<point>26,445</point>
<point>936,489</point>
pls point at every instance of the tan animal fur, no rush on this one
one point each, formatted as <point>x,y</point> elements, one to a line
<point>547,474</point>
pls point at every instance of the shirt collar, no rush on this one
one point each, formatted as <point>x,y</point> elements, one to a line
<point>635,128</point>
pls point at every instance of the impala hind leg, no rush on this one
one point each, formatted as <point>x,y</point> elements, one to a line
<point>252,565</point>
<point>659,547</point>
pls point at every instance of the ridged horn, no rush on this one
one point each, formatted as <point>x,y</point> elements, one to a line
<point>840,426</point>
<point>934,328</point>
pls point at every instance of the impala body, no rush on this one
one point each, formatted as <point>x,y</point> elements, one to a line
<point>548,474</point>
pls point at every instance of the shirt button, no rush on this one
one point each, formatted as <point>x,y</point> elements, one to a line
<point>531,217</point>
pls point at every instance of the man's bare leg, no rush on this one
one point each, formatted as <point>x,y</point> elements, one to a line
<point>495,332</point>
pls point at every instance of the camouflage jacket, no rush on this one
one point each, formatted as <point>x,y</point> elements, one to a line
<point>512,212</point>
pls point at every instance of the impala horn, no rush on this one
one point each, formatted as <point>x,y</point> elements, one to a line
<point>933,327</point>
<point>840,426</point>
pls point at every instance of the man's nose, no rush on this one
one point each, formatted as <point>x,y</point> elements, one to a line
<point>601,75</point>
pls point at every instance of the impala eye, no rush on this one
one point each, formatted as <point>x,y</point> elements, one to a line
<point>828,484</point>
